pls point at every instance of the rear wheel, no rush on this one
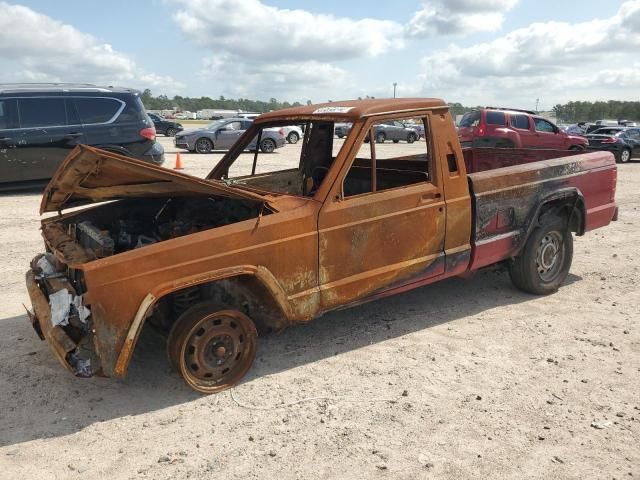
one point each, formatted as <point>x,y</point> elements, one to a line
<point>544,263</point>
<point>212,347</point>
<point>267,145</point>
<point>293,137</point>
<point>624,156</point>
<point>411,138</point>
<point>204,145</point>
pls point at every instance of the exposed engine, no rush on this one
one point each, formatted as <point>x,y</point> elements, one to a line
<point>136,224</point>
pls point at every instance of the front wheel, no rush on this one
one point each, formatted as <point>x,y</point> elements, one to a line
<point>204,145</point>
<point>544,263</point>
<point>411,138</point>
<point>171,132</point>
<point>212,347</point>
<point>267,145</point>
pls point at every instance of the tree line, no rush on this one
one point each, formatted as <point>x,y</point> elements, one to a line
<point>162,102</point>
<point>571,112</point>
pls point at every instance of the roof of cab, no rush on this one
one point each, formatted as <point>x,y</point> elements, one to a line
<point>350,110</point>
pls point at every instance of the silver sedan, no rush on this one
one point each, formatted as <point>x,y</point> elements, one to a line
<point>222,134</point>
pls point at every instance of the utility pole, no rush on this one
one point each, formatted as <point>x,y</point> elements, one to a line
<point>394,89</point>
<point>537,102</point>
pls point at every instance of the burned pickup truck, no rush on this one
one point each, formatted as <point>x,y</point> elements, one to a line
<point>260,244</point>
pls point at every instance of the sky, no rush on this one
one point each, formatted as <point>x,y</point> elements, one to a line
<point>477,52</point>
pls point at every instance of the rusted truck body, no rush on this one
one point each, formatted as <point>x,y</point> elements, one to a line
<point>213,261</point>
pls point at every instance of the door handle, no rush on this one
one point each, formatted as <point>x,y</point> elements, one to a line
<point>430,196</point>
<point>73,135</point>
<point>6,139</point>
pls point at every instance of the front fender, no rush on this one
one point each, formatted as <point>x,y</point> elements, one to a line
<point>267,279</point>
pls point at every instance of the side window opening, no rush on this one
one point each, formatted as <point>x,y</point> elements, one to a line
<point>96,110</point>
<point>544,126</point>
<point>520,122</point>
<point>470,119</point>
<point>284,174</point>
<point>42,112</point>
<point>495,118</point>
<point>382,164</point>
<point>8,114</point>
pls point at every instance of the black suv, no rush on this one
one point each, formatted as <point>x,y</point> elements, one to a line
<point>164,126</point>
<point>41,123</point>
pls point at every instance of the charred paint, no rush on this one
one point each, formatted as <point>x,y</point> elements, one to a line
<point>296,257</point>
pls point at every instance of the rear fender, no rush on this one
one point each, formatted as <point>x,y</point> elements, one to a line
<point>567,202</point>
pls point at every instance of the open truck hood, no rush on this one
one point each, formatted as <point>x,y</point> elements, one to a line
<point>91,175</point>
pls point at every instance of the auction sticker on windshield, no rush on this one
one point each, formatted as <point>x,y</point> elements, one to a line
<point>332,110</point>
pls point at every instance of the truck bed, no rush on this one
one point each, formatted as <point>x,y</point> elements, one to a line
<point>482,159</point>
<point>505,200</point>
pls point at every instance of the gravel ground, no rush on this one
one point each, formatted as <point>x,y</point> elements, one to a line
<point>461,379</point>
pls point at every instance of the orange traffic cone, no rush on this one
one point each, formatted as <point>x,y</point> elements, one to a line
<point>178,162</point>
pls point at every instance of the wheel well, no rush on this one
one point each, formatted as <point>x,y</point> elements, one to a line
<point>245,293</point>
<point>571,208</point>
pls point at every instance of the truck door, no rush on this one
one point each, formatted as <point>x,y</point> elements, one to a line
<point>383,223</point>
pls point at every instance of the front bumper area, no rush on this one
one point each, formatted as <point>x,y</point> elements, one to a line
<point>76,355</point>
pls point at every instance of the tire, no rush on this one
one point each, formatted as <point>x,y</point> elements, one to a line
<point>171,132</point>
<point>411,138</point>
<point>576,148</point>
<point>624,156</point>
<point>203,145</point>
<point>545,260</point>
<point>212,347</point>
<point>340,135</point>
<point>293,138</point>
<point>380,137</point>
<point>396,141</point>
<point>267,145</point>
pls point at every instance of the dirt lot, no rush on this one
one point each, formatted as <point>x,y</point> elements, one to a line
<point>462,379</point>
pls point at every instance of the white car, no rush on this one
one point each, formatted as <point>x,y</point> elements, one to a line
<point>293,133</point>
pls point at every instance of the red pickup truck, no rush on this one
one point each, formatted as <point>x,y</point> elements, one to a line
<point>263,243</point>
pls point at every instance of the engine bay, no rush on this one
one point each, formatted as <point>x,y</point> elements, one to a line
<point>135,223</point>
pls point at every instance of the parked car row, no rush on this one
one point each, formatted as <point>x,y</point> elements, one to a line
<point>390,130</point>
<point>585,128</point>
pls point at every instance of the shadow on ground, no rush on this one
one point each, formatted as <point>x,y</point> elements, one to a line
<point>39,399</point>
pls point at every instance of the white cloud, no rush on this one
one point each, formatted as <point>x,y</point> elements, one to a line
<point>35,47</point>
<point>453,17</point>
<point>252,30</point>
<point>284,80</point>
<point>289,53</point>
<point>553,60</point>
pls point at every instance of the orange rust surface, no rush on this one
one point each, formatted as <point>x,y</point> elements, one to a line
<point>311,254</point>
